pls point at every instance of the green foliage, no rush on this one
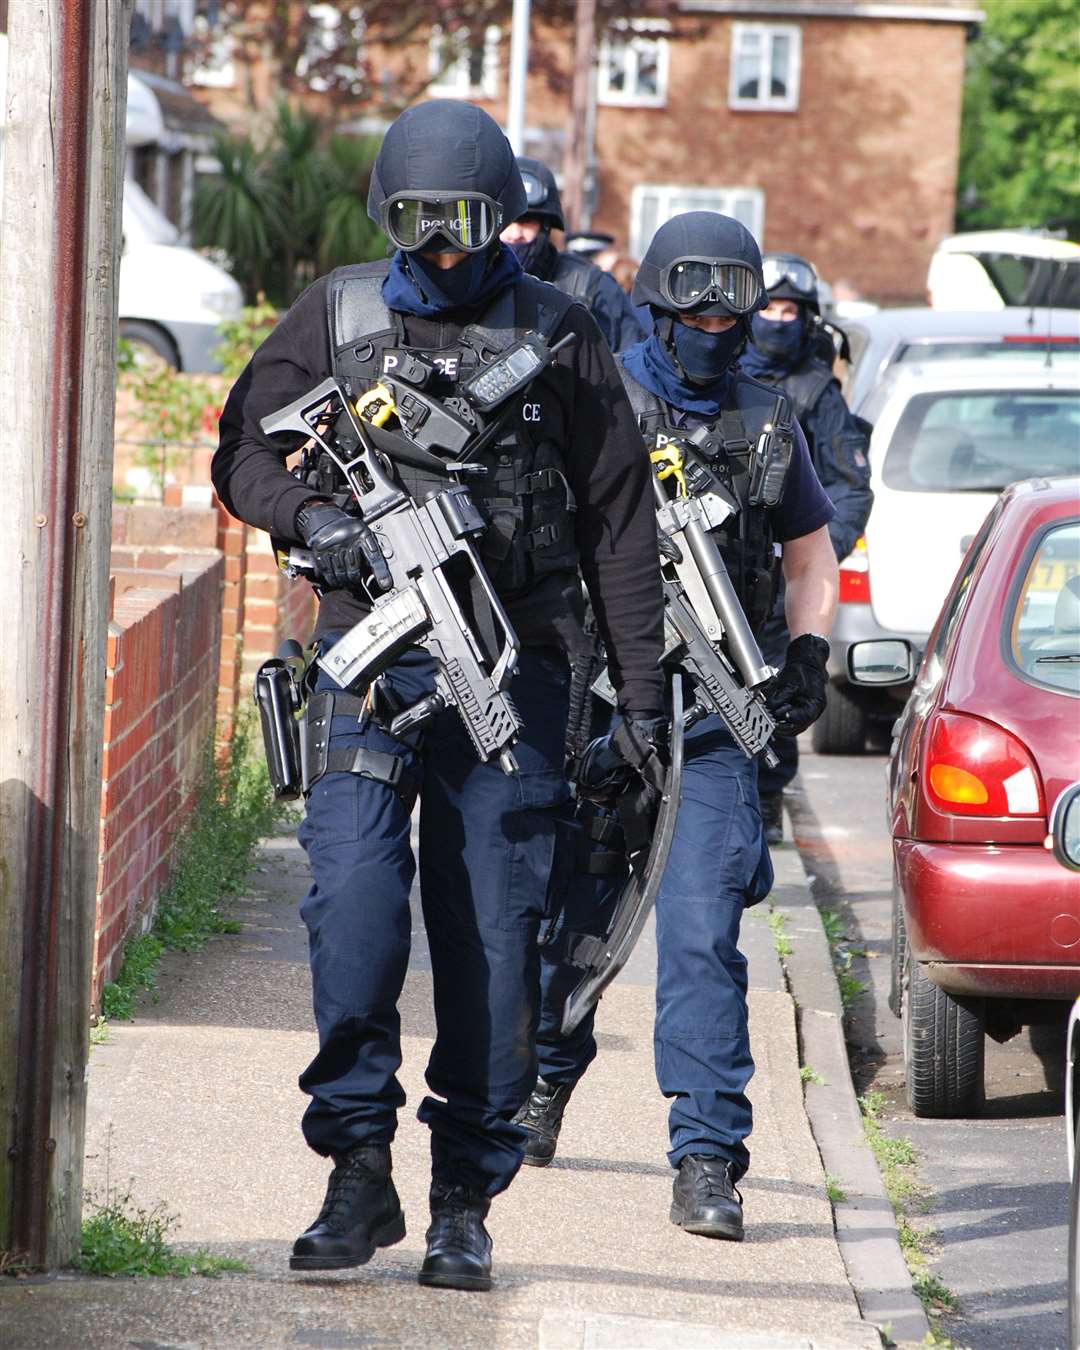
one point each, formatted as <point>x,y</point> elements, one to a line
<point>834,1190</point>
<point>240,336</point>
<point>842,954</point>
<point>1020,134</point>
<point>119,1238</point>
<point>290,209</point>
<point>234,809</point>
<point>171,410</point>
<point>777,922</point>
<point>809,1075</point>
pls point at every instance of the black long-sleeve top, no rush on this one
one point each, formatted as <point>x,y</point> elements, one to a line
<point>606,466</point>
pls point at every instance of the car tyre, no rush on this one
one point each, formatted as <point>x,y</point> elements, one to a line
<point>944,1048</point>
<point>841,728</point>
<point>898,953</point>
<point>151,343</point>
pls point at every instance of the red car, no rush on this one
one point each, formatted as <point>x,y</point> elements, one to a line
<point>986,922</point>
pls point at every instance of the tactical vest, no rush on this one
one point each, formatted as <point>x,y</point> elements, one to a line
<point>576,277</point>
<point>523,493</point>
<point>746,539</point>
<point>803,387</point>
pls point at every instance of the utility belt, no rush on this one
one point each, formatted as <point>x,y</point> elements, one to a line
<point>296,732</point>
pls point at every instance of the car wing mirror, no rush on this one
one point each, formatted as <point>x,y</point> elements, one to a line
<point>1064,836</point>
<point>881,661</point>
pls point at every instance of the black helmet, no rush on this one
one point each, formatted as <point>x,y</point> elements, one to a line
<point>789,277</point>
<point>445,170</point>
<point>541,192</point>
<point>702,263</point>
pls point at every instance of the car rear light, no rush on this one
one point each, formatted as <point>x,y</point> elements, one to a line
<point>1039,340</point>
<point>976,768</point>
<point>855,576</point>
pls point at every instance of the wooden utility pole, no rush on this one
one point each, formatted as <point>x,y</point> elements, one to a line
<point>576,165</point>
<point>60,237</point>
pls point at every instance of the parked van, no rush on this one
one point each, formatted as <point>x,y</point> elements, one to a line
<point>993,269</point>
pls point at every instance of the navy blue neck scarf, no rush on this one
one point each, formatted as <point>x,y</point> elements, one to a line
<point>415,287</point>
<point>650,365</point>
<point>776,347</point>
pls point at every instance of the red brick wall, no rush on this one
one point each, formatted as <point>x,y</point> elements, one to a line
<point>164,649</point>
<point>275,608</point>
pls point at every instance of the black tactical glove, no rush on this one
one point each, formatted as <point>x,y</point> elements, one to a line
<point>640,742</point>
<point>345,551</point>
<point>796,697</point>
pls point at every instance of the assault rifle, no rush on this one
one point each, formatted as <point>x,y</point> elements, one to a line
<point>438,581</point>
<point>705,626</point>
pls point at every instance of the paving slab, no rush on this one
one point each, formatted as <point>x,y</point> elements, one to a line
<point>195,1105</point>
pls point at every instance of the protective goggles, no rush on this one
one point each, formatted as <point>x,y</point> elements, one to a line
<point>535,192</point>
<point>470,220</point>
<point>799,275</point>
<point>690,282</point>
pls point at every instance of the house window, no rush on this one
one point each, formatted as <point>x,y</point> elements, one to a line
<point>632,67</point>
<point>651,206</point>
<point>463,66</point>
<point>765,62</point>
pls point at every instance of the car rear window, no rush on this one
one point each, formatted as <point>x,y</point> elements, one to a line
<point>982,440</point>
<point>1020,347</point>
<point>1022,280</point>
<point>1044,627</point>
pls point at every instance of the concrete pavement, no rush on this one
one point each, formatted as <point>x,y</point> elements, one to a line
<point>196,1105</point>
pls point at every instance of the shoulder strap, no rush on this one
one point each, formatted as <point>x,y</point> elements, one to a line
<point>576,277</point>
<point>804,387</point>
<point>531,304</point>
<point>354,305</point>
<point>645,403</point>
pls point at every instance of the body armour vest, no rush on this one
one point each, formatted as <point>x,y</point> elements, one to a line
<point>803,387</point>
<point>576,277</point>
<point>745,539</point>
<point>522,493</point>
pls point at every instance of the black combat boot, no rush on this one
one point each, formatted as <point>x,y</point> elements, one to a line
<point>361,1212</point>
<point>458,1245</point>
<point>542,1117</point>
<point>772,816</point>
<point>704,1199</point>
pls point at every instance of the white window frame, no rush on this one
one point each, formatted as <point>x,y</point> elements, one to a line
<point>665,193</point>
<point>765,101</point>
<point>453,82</point>
<point>636,35</point>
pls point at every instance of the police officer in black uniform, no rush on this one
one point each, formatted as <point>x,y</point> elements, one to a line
<point>701,278</point>
<point>529,237</point>
<point>564,484</point>
<point>792,350</point>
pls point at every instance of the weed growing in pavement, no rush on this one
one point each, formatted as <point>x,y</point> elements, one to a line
<point>834,1190</point>
<point>234,809</point>
<point>809,1075</point>
<point>119,1238</point>
<point>896,1160</point>
<point>777,921</point>
<point>842,954</point>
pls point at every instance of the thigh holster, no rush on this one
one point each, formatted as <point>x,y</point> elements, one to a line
<point>317,758</point>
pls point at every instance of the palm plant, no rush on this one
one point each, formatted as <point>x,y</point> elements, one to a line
<point>236,210</point>
<point>347,233</point>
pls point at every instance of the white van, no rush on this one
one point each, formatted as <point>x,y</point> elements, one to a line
<point>171,298</point>
<point>993,269</point>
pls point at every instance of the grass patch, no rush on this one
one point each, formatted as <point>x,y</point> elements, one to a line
<point>897,1160</point>
<point>234,809</point>
<point>843,953</point>
<point>119,1238</point>
<point>777,921</point>
<point>809,1075</point>
<point>834,1190</point>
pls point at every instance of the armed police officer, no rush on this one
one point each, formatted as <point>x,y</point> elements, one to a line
<point>701,278</point>
<point>529,238</point>
<point>791,350</point>
<point>562,481</point>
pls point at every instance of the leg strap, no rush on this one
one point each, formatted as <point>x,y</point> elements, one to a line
<point>318,758</point>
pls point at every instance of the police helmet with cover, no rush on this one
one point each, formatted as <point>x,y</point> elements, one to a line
<point>541,192</point>
<point>789,277</point>
<point>445,179</point>
<point>701,262</point>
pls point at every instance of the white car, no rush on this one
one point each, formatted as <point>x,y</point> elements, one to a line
<point>991,269</point>
<point>947,438</point>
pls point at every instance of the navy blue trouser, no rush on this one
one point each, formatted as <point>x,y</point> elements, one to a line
<point>486,844</point>
<point>719,864</point>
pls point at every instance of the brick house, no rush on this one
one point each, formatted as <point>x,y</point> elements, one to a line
<point>831,127</point>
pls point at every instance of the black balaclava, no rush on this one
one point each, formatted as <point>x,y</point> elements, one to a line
<point>536,256</point>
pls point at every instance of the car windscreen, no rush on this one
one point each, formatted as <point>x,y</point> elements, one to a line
<point>1044,627</point>
<point>982,440</point>
<point>1022,280</point>
<point>1019,348</point>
